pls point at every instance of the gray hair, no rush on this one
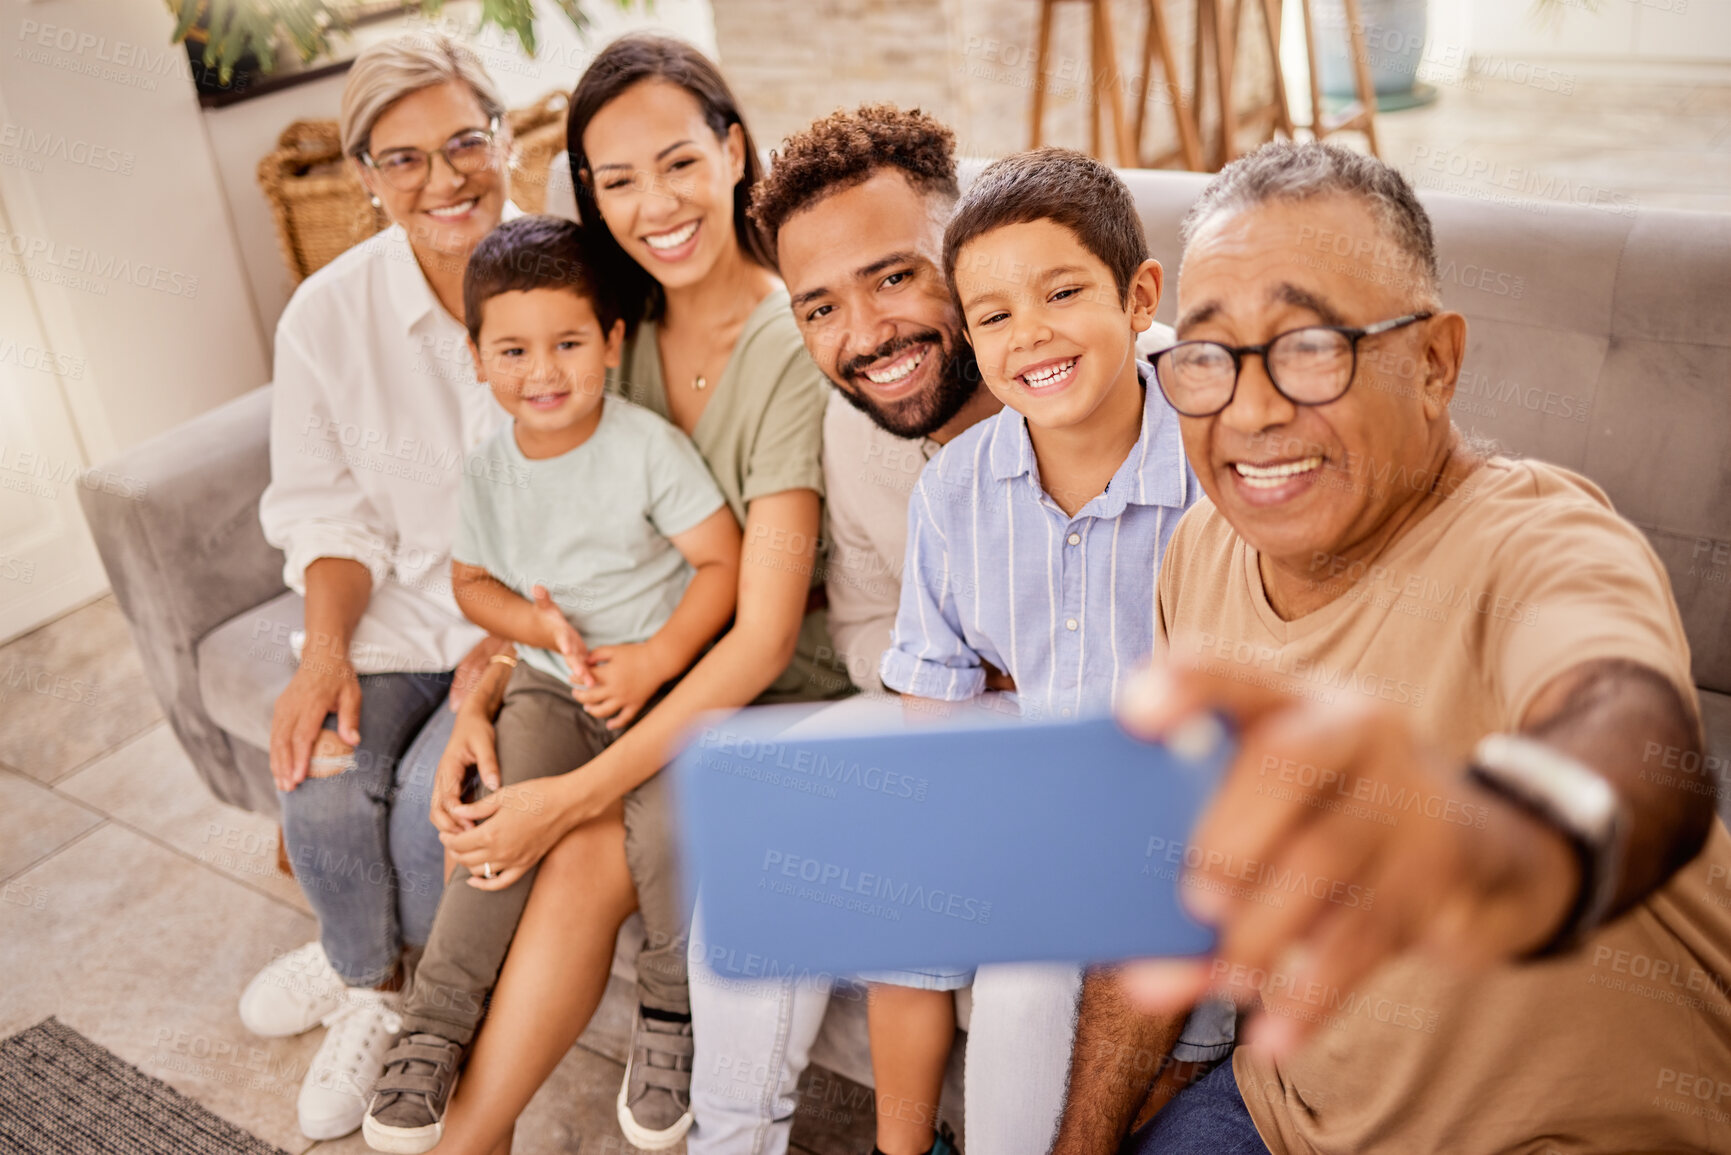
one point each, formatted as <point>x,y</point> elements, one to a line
<point>1287,171</point>
<point>386,72</point>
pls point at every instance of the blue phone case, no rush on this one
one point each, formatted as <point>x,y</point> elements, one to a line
<point>939,846</point>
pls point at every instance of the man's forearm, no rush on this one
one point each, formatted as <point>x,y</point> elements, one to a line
<point>1627,721</point>
<point>1117,1054</point>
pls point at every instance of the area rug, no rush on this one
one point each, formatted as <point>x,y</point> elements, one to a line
<point>61,1094</point>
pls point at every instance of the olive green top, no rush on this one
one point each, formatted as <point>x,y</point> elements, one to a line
<point>761,433</point>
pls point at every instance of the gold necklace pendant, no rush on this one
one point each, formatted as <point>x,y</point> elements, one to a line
<point>699,382</point>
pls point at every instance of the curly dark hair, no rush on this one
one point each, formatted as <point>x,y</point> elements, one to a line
<point>845,148</point>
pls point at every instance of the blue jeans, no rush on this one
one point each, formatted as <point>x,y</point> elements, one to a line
<point>1205,1118</point>
<point>362,847</point>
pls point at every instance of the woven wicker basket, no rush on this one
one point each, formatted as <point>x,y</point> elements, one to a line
<point>320,205</point>
<point>539,133</point>
<point>322,209</point>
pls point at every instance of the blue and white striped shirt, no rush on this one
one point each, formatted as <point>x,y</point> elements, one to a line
<point>996,571</point>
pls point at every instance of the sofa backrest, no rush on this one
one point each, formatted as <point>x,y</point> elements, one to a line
<point>1598,338</point>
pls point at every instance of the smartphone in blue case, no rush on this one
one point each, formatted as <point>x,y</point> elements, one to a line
<point>867,843</point>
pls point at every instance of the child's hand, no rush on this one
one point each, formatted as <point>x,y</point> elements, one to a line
<point>625,677</point>
<point>563,637</point>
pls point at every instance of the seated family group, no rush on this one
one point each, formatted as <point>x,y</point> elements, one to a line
<point>735,437</point>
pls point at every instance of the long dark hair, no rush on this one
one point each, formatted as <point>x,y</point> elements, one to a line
<point>622,64</point>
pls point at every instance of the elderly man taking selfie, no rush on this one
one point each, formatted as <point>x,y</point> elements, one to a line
<point>1459,906</point>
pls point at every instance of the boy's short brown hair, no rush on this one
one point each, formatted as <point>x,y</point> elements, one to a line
<point>533,252</point>
<point>844,149</point>
<point>1059,185</point>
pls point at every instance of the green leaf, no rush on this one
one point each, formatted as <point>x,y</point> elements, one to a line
<point>186,13</point>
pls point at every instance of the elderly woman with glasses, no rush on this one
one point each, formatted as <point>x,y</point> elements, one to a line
<point>375,409</point>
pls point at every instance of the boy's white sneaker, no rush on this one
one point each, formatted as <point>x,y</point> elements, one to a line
<point>292,994</point>
<point>339,1082</point>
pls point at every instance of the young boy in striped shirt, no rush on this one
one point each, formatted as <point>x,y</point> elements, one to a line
<point>1035,536</point>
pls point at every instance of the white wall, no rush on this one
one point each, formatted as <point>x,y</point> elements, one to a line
<point>1629,31</point>
<point>118,218</point>
<point>242,133</point>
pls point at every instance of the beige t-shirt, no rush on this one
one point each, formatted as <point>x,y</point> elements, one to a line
<point>761,433</point>
<point>1625,1046</point>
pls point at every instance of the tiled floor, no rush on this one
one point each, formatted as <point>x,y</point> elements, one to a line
<point>134,906</point>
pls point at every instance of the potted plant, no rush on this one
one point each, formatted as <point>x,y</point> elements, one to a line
<point>245,37</point>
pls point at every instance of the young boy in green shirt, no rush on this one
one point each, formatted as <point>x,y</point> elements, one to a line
<point>591,534</point>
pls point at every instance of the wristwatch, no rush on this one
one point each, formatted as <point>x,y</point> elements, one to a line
<point>1578,803</point>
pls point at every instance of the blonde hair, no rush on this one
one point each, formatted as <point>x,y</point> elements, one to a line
<point>386,72</point>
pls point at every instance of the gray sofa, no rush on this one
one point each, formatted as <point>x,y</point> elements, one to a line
<point>1599,341</point>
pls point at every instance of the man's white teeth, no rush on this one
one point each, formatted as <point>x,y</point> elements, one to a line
<point>673,239</point>
<point>1269,476</point>
<point>898,369</point>
<point>455,210</point>
<point>1042,377</point>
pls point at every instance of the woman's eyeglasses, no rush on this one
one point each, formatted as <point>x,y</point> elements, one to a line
<point>409,169</point>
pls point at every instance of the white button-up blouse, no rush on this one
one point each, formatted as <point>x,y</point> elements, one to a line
<point>375,410</point>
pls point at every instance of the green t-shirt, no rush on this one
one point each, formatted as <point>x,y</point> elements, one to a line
<point>761,433</point>
<point>591,525</point>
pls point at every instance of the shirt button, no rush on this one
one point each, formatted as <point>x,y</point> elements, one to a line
<point>1065,711</point>
<point>1075,539</point>
<point>1070,624</point>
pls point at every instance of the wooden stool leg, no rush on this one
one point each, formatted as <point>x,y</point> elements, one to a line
<point>1150,37</point>
<point>1362,82</point>
<point>1106,46</point>
<point>1225,47</point>
<point>1316,126</point>
<point>1094,55</point>
<point>1271,26</point>
<point>1044,42</point>
<point>1189,137</point>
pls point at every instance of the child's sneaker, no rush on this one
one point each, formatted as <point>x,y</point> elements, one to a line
<point>655,1100</point>
<point>339,1080</point>
<point>407,1115</point>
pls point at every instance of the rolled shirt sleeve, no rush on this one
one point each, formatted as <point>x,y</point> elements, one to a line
<point>787,451</point>
<point>313,506</point>
<point>928,656</point>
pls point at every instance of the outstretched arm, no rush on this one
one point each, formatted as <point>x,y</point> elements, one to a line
<point>1474,895</point>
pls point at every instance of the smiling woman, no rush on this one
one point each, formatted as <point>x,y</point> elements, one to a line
<point>369,360</point>
<point>664,164</point>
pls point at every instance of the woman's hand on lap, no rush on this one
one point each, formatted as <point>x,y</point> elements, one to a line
<point>511,830</point>
<point>471,744</point>
<point>321,686</point>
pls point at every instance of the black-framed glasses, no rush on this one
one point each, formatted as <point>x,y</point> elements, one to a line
<point>409,169</point>
<point>1309,366</point>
